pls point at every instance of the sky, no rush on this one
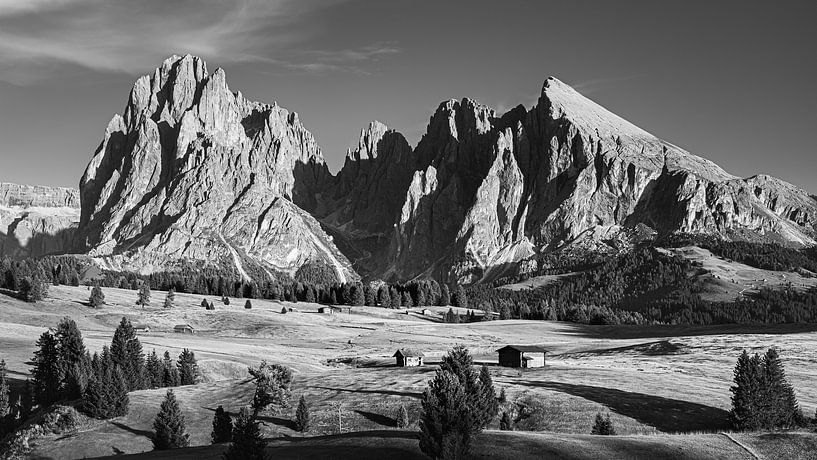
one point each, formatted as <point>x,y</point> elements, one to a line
<point>733,81</point>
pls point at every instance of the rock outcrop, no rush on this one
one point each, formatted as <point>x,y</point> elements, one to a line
<point>489,191</point>
<point>192,171</point>
<point>37,221</point>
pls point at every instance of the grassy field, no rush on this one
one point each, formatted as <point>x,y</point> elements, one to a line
<point>653,380</point>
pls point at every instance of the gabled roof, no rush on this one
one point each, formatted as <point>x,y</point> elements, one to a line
<point>182,326</point>
<point>408,353</point>
<point>524,348</point>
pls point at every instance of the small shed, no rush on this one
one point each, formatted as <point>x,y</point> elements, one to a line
<point>141,328</point>
<point>184,329</point>
<point>427,312</point>
<point>326,310</point>
<point>524,356</point>
<point>408,358</point>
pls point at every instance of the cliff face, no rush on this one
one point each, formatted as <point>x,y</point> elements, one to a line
<point>193,171</point>
<point>36,220</point>
<point>489,191</point>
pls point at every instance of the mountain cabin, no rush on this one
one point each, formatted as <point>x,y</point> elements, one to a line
<point>141,328</point>
<point>408,358</point>
<point>184,329</point>
<point>524,356</point>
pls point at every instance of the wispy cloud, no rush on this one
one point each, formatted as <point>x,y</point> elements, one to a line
<point>597,84</point>
<point>37,36</point>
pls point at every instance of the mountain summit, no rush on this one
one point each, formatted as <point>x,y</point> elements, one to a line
<point>194,172</point>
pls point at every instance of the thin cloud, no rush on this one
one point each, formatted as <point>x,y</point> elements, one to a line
<point>36,36</point>
<point>591,86</point>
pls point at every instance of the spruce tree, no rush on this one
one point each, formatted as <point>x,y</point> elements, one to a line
<point>143,296</point>
<point>126,352</point>
<point>248,444</point>
<point>5,392</point>
<point>368,297</point>
<point>118,401</point>
<point>488,404</point>
<point>204,304</point>
<point>170,297</point>
<point>47,372</point>
<point>461,298</point>
<point>406,300</point>
<point>222,426</point>
<point>505,423</point>
<point>273,383</point>
<point>168,426</point>
<point>445,296</point>
<point>248,304</point>
<point>747,393</point>
<point>383,297</point>
<point>358,297</point>
<point>188,368</point>
<point>170,374</point>
<point>402,419</point>
<point>97,298</point>
<point>603,425</point>
<point>396,298</point>
<point>153,369</point>
<point>302,416</point>
<point>446,421</point>
<point>779,401</point>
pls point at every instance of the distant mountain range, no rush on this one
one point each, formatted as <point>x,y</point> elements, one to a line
<point>192,171</point>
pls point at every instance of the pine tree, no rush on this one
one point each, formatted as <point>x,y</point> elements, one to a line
<point>402,419</point>
<point>248,304</point>
<point>204,304</point>
<point>488,405</point>
<point>5,393</point>
<point>309,295</point>
<point>746,393</point>
<point>445,296</point>
<point>168,426</point>
<point>97,298</point>
<point>446,422</point>
<point>94,400</point>
<point>170,297</point>
<point>126,352</point>
<point>603,425</point>
<point>302,416</point>
<point>143,297</point>
<point>222,426</point>
<point>358,297</point>
<point>153,369</point>
<point>461,298</point>
<point>170,374</point>
<point>406,299</point>
<point>396,298</point>
<point>502,396</point>
<point>383,297</point>
<point>273,383</point>
<point>368,297</point>
<point>47,372</point>
<point>119,401</point>
<point>779,401</point>
<point>188,368</point>
<point>248,444</point>
<point>505,423</point>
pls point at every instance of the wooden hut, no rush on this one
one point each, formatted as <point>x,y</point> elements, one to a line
<point>524,356</point>
<point>184,329</point>
<point>408,358</point>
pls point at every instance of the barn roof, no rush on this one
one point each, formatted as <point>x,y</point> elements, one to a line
<point>182,326</point>
<point>408,353</point>
<point>524,348</point>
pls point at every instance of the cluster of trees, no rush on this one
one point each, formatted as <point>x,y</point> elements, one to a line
<point>65,370</point>
<point>766,256</point>
<point>457,405</point>
<point>762,398</point>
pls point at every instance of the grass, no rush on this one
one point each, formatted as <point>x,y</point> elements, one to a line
<point>653,380</point>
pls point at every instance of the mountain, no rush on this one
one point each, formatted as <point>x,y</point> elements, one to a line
<point>489,190</point>
<point>194,172</point>
<point>36,220</point>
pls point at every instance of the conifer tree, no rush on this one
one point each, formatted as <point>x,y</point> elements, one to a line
<point>396,298</point>
<point>248,304</point>
<point>153,370</point>
<point>273,383</point>
<point>383,297</point>
<point>5,393</point>
<point>168,426</point>
<point>302,416</point>
<point>188,368</point>
<point>126,353</point>
<point>170,297</point>
<point>603,425</point>
<point>446,422</point>
<point>222,426</point>
<point>170,374</point>
<point>47,372</point>
<point>406,299</point>
<point>204,304</point>
<point>505,423</point>
<point>445,296</point>
<point>309,295</point>
<point>779,401</point>
<point>747,393</point>
<point>358,297</point>
<point>143,297</point>
<point>97,298</point>
<point>488,405</point>
<point>248,444</point>
<point>402,417</point>
<point>368,296</point>
<point>461,298</point>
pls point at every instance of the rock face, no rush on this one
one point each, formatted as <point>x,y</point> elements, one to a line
<point>36,220</point>
<point>192,171</point>
<point>490,190</point>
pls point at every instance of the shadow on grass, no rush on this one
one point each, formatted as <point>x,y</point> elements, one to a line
<point>656,331</point>
<point>378,418</point>
<point>122,426</point>
<point>409,394</point>
<point>665,414</point>
<point>277,421</point>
